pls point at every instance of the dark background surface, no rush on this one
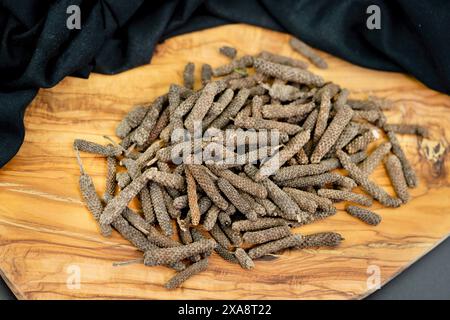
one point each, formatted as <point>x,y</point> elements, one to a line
<point>428,278</point>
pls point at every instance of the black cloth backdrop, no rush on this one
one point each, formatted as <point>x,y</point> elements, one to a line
<point>37,50</point>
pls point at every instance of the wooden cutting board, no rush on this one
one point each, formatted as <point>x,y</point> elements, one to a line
<point>48,238</point>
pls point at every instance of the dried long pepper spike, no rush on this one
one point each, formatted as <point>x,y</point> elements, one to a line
<point>131,120</point>
<point>224,218</point>
<point>364,215</point>
<point>91,199</point>
<point>177,280</point>
<point>270,111</point>
<point>95,148</point>
<point>208,185</point>
<point>111,182</point>
<point>221,238</point>
<point>408,171</point>
<point>257,103</point>
<point>368,115</point>
<point>319,180</point>
<point>236,199</point>
<point>361,142</point>
<point>159,207</point>
<point>266,235</point>
<point>258,208</point>
<point>322,239</point>
<point>282,60</point>
<point>370,187</point>
<point>287,73</point>
<point>292,147</point>
<point>292,172</point>
<point>304,203</point>
<point>345,195</point>
<point>137,238</point>
<point>331,134</point>
<point>158,256</point>
<point>141,133</point>
<point>162,123</point>
<point>166,179</point>
<point>243,62</point>
<point>242,182</point>
<point>232,109</point>
<point>268,205</point>
<point>261,223</point>
<point>275,246</point>
<point>204,204</point>
<point>258,124</point>
<point>211,217</point>
<point>395,173</point>
<point>375,158</point>
<point>192,197</point>
<point>188,75</point>
<point>322,117</point>
<point>244,260</point>
<point>201,106</point>
<point>206,73</point>
<point>402,128</point>
<point>228,51</point>
<point>147,204</point>
<point>308,52</point>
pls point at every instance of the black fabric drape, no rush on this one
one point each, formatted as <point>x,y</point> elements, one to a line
<point>37,50</point>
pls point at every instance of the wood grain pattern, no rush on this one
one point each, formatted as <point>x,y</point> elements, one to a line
<point>45,229</point>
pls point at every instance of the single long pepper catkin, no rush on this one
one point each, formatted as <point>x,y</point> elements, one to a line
<point>244,259</point>
<point>131,120</point>
<point>91,199</point>
<point>95,148</point>
<point>258,124</point>
<point>287,73</point>
<point>331,134</point>
<point>279,159</point>
<point>322,239</point>
<point>347,135</point>
<point>202,106</point>
<point>284,92</point>
<point>228,51</point>
<point>370,187</point>
<point>375,158</point>
<point>308,52</point>
<point>158,256</point>
<point>270,111</point>
<point>211,217</point>
<point>395,173</point>
<point>111,182</point>
<point>266,235</point>
<point>319,180</point>
<point>207,184</point>
<point>322,202</point>
<point>408,171</point>
<point>178,279</point>
<point>261,223</point>
<point>159,206</point>
<point>322,117</point>
<point>206,73</point>
<point>282,60</point>
<point>364,215</point>
<point>192,197</point>
<point>163,121</point>
<point>345,195</point>
<point>188,75</point>
<point>275,246</point>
